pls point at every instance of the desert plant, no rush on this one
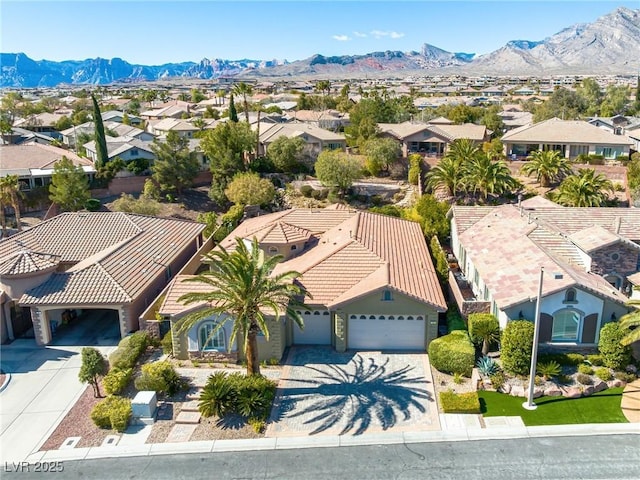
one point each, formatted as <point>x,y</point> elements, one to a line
<point>458,378</point>
<point>218,396</point>
<point>563,379</point>
<point>584,379</point>
<point>549,369</point>
<point>515,348</point>
<point>453,353</point>
<point>485,329</point>
<point>112,412</point>
<point>595,360</point>
<point>498,379</point>
<point>487,366</point>
<point>624,376</point>
<point>129,350</point>
<point>167,344</point>
<point>257,424</point>
<point>614,354</point>
<point>604,374</point>
<point>160,377</point>
<point>116,380</point>
<point>586,369</point>
<point>306,190</point>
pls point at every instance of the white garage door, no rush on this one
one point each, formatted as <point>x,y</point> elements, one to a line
<point>317,328</point>
<point>391,332</point>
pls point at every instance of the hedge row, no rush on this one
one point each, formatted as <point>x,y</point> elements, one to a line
<point>453,353</point>
<point>129,350</point>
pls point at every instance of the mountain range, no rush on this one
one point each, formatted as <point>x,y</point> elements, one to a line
<point>609,45</point>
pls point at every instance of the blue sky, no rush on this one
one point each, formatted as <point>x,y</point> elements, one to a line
<point>161,31</point>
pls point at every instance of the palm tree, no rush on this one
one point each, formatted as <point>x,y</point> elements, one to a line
<point>449,172</point>
<point>244,89</point>
<point>243,286</point>
<point>631,322</point>
<point>9,195</point>
<point>548,166</point>
<point>483,175</point>
<point>584,189</point>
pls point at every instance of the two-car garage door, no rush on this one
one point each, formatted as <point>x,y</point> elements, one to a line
<point>394,332</point>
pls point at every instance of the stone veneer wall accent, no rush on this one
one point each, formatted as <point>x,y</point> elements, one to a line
<point>603,264</point>
<point>340,331</point>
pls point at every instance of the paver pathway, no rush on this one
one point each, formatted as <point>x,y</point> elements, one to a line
<point>630,403</point>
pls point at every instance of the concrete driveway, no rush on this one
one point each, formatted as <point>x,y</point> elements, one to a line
<point>322,391</point>
<point>44,385</point>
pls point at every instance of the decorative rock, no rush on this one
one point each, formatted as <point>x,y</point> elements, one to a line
<point>587,390</point>
<point>615,383</point>
<point>631,369</point>
<point>572,392</point>
<point>599,385</point>
<point>506,388</point>
<point>517,391</point>
<point>538,392</point>
<point>553,392</point>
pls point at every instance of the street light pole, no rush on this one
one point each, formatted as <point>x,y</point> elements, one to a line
<point>529,405</point>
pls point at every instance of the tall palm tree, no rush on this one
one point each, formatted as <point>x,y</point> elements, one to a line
<point>244,89</point>
<point>10,195</point>
<point>449,172</point>
<point>548,166</point>
<point>584,189</point>
<point>243,286</point>
<point>487,177</point>
<point>631,322</point>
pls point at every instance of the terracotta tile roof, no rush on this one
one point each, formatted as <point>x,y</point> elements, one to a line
<point>282,232</point>
<point>623,221</point>
<point>466,130</point>
<point>555,130</point>
<point>177,288</point>
<point>635,278</point>
<point>557,245</point>
<point>35,156</point>
<point>594,237</point>
<point>26,261</point>
<point>116,255</point>
<point>465,217</point>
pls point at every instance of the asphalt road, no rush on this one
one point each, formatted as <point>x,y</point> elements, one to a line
<point>590,457</point>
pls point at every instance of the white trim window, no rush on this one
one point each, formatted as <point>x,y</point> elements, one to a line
<point>208,340</point>
<point>566,325</point>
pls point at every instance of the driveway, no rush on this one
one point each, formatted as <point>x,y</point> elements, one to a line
<point>44,385</point>
<point>322,391</point>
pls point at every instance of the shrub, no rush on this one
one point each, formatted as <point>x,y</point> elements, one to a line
<point>320,194</point>
<point>454,319</point>
<point>129,350</point>
<point>452,402</point>
<point>563,379</point>
<point>306,190</point>
<point>257,424</point>
<point>614,355</point>
<point>112,412</point>
<point>453,353</point>
<point>586,369</point>
<point>167,344</point>
<point>584,379</point>
<point>624,376</point>
<point>93,366</point>
<point>93,205</point>
<point>484,329</point>
<point>574,359</point>
<point>498,379</point>
<point>564,359</point>
<point>549,369</point>
<point>160,377</point>
<point>116,380</point>
<point>604,374</point>
<point>515,351</point>
<point>458,378</point>
<point>487,366</point>
<point>595,360</point>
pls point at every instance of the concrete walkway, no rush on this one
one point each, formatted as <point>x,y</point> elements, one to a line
<point>630,403</point>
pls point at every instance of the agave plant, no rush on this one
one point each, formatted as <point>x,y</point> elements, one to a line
<point>487,366</point>
<point>549,369</point>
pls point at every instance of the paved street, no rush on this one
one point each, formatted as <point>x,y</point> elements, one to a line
<point>352,393</point>
<point>567,458</point>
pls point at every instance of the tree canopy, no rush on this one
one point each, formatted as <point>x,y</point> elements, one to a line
<point>286,153</point>
<point>247,188</point>
<point>175,167</point>
<point>337,169</point>
<point>69,188</point>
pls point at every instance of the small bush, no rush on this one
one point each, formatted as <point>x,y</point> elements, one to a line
<point>306,190</point>
<point>453,353</point>
<point>93,205</point>
<point>515,348</point>
<point>454,319</point>
<point>167,344</point>
<point>320,194</point>
<point>604,374</point>
<point>129,350</point>
<point>584,379</point>
<point>595,360</point>
<point>624,376</point>
<point>549,369</point>
<point>574,359</point>
<point>614,355</point>
<point>116,380</point>
<point>586,369</point>
<point>484,329</point>
<point>498,380</point>
<point>564,359</point>
<point>563,379</point>
<point>160,377</point>
<point>257,424</point>
<point>112,412</point>
<point>452,402</point>
<point>458,378</point>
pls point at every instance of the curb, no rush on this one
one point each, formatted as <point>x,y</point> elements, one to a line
<point>324,441</point>
<point>7,379</point>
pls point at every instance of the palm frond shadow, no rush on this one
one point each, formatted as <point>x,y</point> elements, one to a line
<point>357,394</point>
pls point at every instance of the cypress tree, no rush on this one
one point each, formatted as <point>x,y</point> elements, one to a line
<point>233,113</point>
<point>101,142</point>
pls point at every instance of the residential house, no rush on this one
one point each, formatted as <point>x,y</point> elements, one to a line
<point>176,109</point>
<point>127,148</point>
<point>512,119</point>
<point>327,119</point>
<point>76,263</point>
<point>184,128</point>
<point>111,128</point>
<point>34,162</point>
<point>118,116</point>
<point>372,284</point>
<point>588,256</point>
<point>316,138</point>
<point>21,136</point>
<point>570,137</point>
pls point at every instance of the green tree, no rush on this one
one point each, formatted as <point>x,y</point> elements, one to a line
<point>233,113</point>
<point>10,194</point>
<point>125,119</point>
<point>337,169</point>
<point>247,188</point>
<point>563,103</point>
<point>615,100</point>
<point>615,352</point>
<point>197,96</point>
<point>210,219</point>
<point>415,168</point>
<point>381,154</point>
<point>63,123</point>
<point>449,173</point>
<point>494,149</point>
<point>584,189</point>
<point>243,285</point>
<point>225,146</point>
<point>93,367</point>
<point>431,214</point>
<point>69,188</point>
<point>484,328</point>
<point>101,142</point>
<point>286,153</point>
<point>630,324</point>
<point>590,90</point>
<point>549,166</point>
<point>487,177</point>
<point>515,347</point>
<point>244,90</point>
<point>175,166</point>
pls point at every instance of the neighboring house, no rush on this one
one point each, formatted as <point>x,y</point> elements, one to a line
<point>40,123</point>
<point>70,135</point>
<point>33,163</point>
<point>203,160</point>
<point>512,119</point>
<point>316,138</point>
<point>371,279</point>
<point>618,124</point>
<point>588,256</point>
<point>176,109</point>
<point>183,128</point>
<point>328,119</point>
<point>429,138</point>
<point>89,261</point>
<point>21,136</point>
<point>118,116</point>
<point>128,149</point>
<point>570,137</point>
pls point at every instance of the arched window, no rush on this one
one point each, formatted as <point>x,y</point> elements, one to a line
<point>387,296</point>
<point>273,249</point>
<point>566,325</point>
<point>570,296</point>
<point>208,339</point>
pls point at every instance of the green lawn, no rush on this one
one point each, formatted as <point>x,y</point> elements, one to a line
<point>602,407</point>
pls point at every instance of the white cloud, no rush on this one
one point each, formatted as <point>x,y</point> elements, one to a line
<point>341,38</point>
<point>359,34</point>
<point>383,34</point>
